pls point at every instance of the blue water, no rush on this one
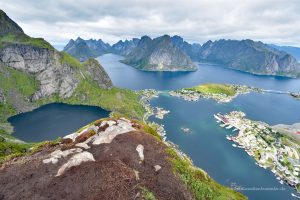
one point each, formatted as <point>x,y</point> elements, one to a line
<point>206,144</point>
<point>54,120</point>
<point>128,77</point>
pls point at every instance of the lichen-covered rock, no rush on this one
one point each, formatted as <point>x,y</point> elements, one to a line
<point>2,98</point>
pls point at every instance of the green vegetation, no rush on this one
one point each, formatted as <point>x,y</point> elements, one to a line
<point>21,38</point>
<point>298,187</point>
<point>147,195</point>
<point>214,88</point>
<point>11,148</point>
<point>118,100</point>
<point>68,59</point>
<point>14,83</point>
<point>202,186</point>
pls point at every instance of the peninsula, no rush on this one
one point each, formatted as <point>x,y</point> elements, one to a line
<point>271,149</point>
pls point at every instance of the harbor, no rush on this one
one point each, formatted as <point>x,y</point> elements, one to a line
<point>270,149</point>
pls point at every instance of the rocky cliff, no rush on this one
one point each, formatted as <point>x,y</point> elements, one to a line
<point>55,71</point>
<point>250,56</point>
<point>159,54</point>
<point>85,49</point>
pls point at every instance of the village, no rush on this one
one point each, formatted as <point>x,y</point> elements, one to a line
<point>268,147</point>
<point>191,94</point>
<point>159,113</point>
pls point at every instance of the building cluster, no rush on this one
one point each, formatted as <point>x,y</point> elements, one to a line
<point>270,148</point>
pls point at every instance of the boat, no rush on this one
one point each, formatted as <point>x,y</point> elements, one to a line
<point>217,117</point>
<point>295,196</point>
<point>228,138</point>
<point>235,129</point>
<point>281,182</point>
<point>234,145</point>
<point>228,127</point>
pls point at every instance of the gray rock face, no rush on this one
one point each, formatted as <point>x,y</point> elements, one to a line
<point>189,49</point>
<point>2,98</point>
<point>159,54</point>
<point>97,72</point>
<point>45,64</point>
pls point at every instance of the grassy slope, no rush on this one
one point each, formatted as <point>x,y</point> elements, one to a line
<point>214,88</point>
<point>11,79</point>
<point>88,93</point>
<point>202,186</point>
<point>21,38</point>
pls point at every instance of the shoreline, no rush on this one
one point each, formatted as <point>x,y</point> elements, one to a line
<point>265,145</point>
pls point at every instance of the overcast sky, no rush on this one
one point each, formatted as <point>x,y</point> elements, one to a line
<point>271,21</point>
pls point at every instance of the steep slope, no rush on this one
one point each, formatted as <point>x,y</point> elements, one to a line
<point>7,25</point>
<point>189,49</point>
<point>159,54</point>
<point>250,56</point>
<point>85,49</point>
<point>112,158</point>
<point>33,73</point>
<point>294,51</point>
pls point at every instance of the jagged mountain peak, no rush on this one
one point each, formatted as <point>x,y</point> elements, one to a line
<point>7,25</point>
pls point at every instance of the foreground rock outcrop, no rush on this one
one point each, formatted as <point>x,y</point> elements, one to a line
<point>113,158</point>
<point>107,167</point>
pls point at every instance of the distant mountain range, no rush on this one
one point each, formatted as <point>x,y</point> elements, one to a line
<point>250,56</point>
<point>294,51</point>
<point>167,53</point>
<point>85,49</point>
<point>160,54</point>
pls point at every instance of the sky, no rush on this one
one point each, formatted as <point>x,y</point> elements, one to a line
<point>270,21</point>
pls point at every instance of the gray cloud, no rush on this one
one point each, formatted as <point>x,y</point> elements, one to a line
<point>271,21</point>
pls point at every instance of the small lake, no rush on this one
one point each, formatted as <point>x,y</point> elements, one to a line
<point>54,120</point>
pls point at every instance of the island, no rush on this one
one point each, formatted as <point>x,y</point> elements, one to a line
<point>222,93</point>
<point>270,149</point>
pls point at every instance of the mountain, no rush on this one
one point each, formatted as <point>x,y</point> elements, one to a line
<point>124,48</point>
<point>159,54</point>
<point>250,56</point>
<point>294,51</point>
<point>7,25</point>
<point>85,49</point>
<point>189,49</point>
